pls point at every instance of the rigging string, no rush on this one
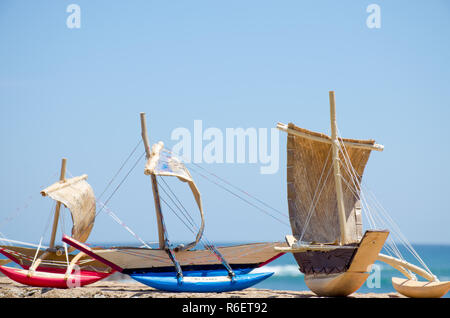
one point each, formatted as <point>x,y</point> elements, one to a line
<point>239,189</point>
<point>120,222</point>
<point>204,240</point>
<point>176,214</point>
<point>116,218</point>
<point>392,250</point>
<point>391,247</point>
<point>114,177</point>
<point>401,236</point>
<point>193,228</point>
<point>240,197</point>
<point>386,218</point>
<point>183,210</point>
<point>120,169</point>
<point>359,195</point>
<point>122,181</point>
<point>233,186</point>
<point>20,209</point>
<point>103,204</point>
<point>16,213</point>
<point>37,250</point>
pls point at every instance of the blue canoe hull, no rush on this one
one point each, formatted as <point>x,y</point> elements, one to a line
<point>201,283</point>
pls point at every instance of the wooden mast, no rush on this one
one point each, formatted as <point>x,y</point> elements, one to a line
<point>58,205</point>
<point>161,236</point>
<point>51,248</point>
<point>337,172</point>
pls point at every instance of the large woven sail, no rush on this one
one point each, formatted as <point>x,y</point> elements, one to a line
<point>312,199</point>
<point>164,163</point>
<point>76,195</point>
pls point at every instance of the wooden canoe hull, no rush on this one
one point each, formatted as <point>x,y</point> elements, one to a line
<point>52,279</point>
<point>335,285</point>
<point>353,275</point>
<point>418,289</point>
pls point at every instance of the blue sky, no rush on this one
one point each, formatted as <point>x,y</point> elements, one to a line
<point>77,93</point>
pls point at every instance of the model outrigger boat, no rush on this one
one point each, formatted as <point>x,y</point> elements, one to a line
<point>182,268</point>
<point>54,267</point>
<point>326,221</point>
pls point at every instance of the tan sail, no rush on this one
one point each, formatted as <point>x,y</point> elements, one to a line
<point>77,196</point>
<point>163,163</point>
<point>311,186</point>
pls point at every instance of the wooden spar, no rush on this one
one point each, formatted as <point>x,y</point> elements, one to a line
<point>36,263</point>
<point>51,247</point>
<point>309,247</point>
<point>286,129</point>
<point>67,183</point>
<point>58,205</point>
<point>73,262</point>
<point>337,172</point>
<point>144,136</point>
<point>400,264</point>
<point>161,234</point>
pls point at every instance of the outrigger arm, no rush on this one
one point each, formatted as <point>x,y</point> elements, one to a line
<point>402,266</point>
<point>411,287</point>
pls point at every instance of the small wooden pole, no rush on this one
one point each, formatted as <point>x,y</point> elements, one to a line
<point>58,205</point>
<point>337,172</point>
<point>159,217</point>
<point>144,136</point>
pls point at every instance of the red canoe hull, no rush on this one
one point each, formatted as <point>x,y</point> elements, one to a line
<point>52,279</point>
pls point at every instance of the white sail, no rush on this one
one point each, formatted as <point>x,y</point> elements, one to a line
<point>163,163</point>
<point>77,196</point>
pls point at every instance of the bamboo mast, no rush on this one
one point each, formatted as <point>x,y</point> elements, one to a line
<point>337,172</point>
<point>161,236</point>
<point>58,205</point>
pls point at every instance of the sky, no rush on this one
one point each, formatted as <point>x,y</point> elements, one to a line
<point>77,93</point>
